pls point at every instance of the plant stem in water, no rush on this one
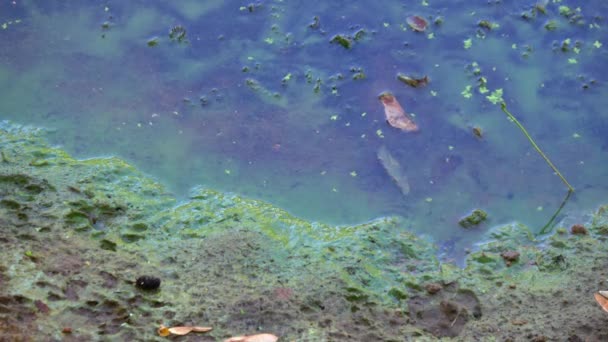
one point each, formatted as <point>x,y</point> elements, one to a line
<point>503,106</point>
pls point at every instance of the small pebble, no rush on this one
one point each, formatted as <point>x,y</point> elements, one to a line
<point>147,283</point>
<point>578,229</point>
<point>432,288</point>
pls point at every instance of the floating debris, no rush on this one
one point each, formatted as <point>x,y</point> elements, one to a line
<point>395,115</point>
<point>417,23</point>
<point>360,34</point>
<point>178,34</point>
<point>152,41</point>
<point>413,81</point>
<point>551,25</point>
<point>106,25</point>
<point>316,23</point>
<point>474,218</point>
<point>394,169</point>
<point>343,40</point>
<point>541,6</point>
<point>253,338</point>
<point>477,132</point>
<point>488,25</point>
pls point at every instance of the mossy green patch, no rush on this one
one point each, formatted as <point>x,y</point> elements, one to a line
<point>473,219</point>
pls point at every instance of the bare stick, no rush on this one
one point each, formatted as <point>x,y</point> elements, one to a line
<point>503,106</point>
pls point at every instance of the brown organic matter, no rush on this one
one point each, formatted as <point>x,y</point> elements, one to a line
<point>395,115</point>
<point>578,229</point>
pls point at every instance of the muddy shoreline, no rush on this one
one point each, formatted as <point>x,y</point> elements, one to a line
<point>75,234</point>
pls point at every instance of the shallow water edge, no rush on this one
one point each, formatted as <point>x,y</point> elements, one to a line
<point>75,234</point>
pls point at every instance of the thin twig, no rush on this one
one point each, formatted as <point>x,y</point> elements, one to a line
<point>457,314</point>
<point>503,106</point>
<point>550,223</point>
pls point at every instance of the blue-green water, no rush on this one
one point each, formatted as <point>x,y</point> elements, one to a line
<point>256,101</point>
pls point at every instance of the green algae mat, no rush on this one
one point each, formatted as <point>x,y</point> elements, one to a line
<point>75,234</point>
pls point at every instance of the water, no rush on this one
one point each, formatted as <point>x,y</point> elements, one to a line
<point>235,107</point>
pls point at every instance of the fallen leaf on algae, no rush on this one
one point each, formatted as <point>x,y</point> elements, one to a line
<point>253,338</point>
<point>602,301</point>
<point>164,331</point>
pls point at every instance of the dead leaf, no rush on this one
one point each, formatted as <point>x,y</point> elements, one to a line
<point>201,329</point>
<point>163,331</point>
<point>183,330</point>
<point>395,115</point>
<point>519,322</point>
<point>253,338</point>
<point>413,81</point>
<point>602,301</point>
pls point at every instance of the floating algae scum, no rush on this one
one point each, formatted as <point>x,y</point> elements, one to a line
<point>276,200</point>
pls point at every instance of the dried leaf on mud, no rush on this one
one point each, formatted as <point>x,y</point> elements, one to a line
<point>183,330</point>
<point>253,338</point>
<point>602,301</point>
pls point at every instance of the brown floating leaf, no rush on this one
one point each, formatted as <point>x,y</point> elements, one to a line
<point>413,81</point>
<point>477,132</point>
<point>602,301</point>
<point>417,23</point>
<point>254,338</point>
<point>395,115</point>
<point>183,330</point>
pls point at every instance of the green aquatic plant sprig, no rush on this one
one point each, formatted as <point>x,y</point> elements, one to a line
<point>496,97</point>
